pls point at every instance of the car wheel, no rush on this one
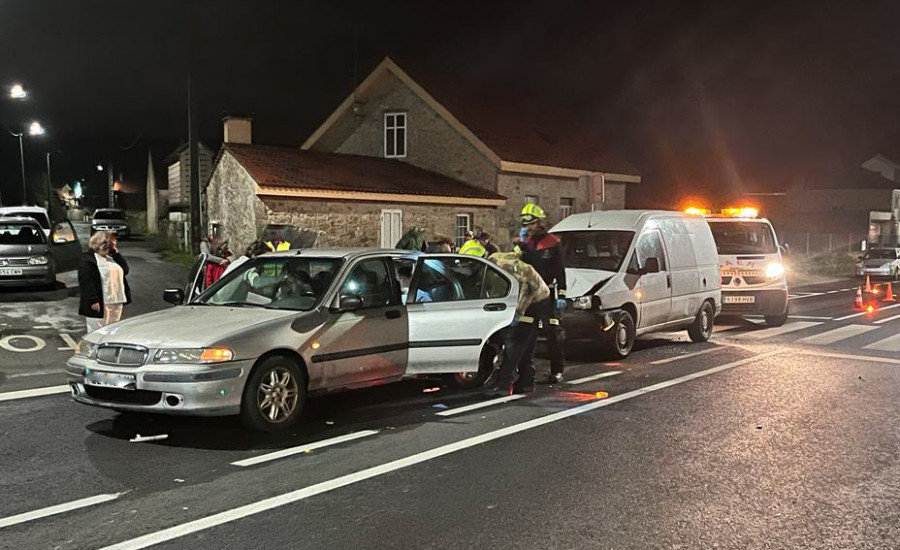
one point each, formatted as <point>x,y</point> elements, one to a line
<point>776,320</point>
<point>274,395</point>
<point>702,327</point>
<point>490,360</point>
<point>621,337</point>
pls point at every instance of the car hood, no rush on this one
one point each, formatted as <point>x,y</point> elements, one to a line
<point>580,281</point>
<point>22,249</point>
<point>110,221</point>
<point>877,262</point>
<point>187,326</point>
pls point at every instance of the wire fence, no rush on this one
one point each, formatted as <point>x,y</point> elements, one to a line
<point>807,242</point>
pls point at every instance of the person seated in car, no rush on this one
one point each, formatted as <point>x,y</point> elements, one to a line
<point>405,275</point>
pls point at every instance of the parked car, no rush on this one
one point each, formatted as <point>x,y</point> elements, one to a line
<point>28,257</point>
<point>283,327</point>
<point>111,219</point>
<point>754,280</point>
<point>38,213</point>
<point>632,272</point>
<point>880,264</point>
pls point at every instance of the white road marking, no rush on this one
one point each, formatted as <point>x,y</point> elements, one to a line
<point>271,503</point>
<point>836,335</point>
<point>685,356</point>
<point>888,320</point>
<point>58,509</point>
<point>807,295</point>
<point>594,377</point>
<point>303,448</point>
<point>833,291</point>
<point>891,343</point>
<point>7,343</point>
<point>851,357</point>
<point>36,373</point>
<point>481,405</point>
<point>37,392</point>
<point>861,313</point>
<point>71,344</point>
<point>810,317</point>
<point>777,331</point>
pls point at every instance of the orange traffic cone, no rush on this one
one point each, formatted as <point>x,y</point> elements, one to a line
<point>868,286</point>
<point>858,303</point>
<point>889,294</point>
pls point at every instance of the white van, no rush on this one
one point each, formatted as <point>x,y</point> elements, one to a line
<point>753,276</point>
<point>631,272</point>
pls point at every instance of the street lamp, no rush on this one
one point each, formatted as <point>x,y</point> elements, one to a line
<point>34,129</point>
<point>16,91</point>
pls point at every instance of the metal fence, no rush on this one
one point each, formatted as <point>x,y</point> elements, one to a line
<point>806,242</point>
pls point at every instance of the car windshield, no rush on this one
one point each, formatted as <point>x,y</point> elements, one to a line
<point>294,283</point>
<point>743,237</point>
<point>20,233</point>
<point>596,249</point>
<point>881,254</point>
<point>39,217</point>
<point>109,215</point>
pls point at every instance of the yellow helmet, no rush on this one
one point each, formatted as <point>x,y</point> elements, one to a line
<point>531,213</point>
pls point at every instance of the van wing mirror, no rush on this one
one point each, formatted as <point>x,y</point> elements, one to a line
<point>174,296</point>
<point>350,302</point>
<point>651,265</point>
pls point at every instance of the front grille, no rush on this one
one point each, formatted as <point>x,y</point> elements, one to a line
<point>122,355</point>
<point>13,261</point>
<point>132,397</point>
<point>726,281</point>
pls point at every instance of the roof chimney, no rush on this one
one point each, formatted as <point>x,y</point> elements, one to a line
<point>238,129</point>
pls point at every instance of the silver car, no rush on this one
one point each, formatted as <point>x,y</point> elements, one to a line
<point>880,263</point>
<point>286,326</point>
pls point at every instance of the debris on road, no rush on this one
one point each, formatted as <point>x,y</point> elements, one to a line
<point>431,390</point>
<point>440,406</point>
<point>601,395</point>
<point>141,439</point>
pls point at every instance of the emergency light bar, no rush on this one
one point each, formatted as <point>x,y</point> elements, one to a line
<point>742,212</point>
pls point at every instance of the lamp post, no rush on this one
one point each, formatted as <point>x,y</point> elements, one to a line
<point>34,129</point>
<point>16,91</point>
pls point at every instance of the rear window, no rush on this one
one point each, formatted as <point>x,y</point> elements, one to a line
<point>20,233</point>
<point>109,215</point>
<point>744,237</point>
<point>39,217</point>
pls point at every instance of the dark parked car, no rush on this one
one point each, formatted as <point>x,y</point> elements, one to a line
<point>111,219</point>
<point>27,257</point>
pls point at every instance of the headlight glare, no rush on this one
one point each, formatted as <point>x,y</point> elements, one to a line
<point>583,302</point>
<point>194,355</point>
<point>774,270</point>
<point>85,348</point>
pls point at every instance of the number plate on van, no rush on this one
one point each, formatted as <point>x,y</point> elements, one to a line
<point>738,299</point>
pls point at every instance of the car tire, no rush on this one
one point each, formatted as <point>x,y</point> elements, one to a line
<point>776,320</point>
<point>702,327</point>
<point>488,363</point>
<point>620,339</point>
<point>274,395</point>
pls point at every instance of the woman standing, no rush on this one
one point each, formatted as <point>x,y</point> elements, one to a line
<point>101,279</point>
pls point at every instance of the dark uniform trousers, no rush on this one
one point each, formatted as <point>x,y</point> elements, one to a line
<point>549,326</point>
<point>519,343</point>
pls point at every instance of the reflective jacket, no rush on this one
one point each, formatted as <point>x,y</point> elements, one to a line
<point>283,245</point>
<point>474,248</point>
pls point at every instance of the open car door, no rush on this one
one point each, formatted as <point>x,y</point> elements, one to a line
<point>196,279</point>
<point>455,304</point>
<point>64,247</point>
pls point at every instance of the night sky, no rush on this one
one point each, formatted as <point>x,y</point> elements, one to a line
<point>705,98</point>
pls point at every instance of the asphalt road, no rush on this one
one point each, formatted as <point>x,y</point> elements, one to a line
<point>762,438</point>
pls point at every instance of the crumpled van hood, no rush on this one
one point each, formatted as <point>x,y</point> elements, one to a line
<point>579,281</point>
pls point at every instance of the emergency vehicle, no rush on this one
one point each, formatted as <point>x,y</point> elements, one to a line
<point>752,269</point>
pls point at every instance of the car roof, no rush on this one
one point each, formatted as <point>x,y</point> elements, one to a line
<point>30,209</point>
<point>337,252</point>
<point>613,220</point>
<point>18,219</point>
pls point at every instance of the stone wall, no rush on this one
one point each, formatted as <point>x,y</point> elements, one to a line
<point>346,223</point>
<point>431,142</point>
<point>232,202</point>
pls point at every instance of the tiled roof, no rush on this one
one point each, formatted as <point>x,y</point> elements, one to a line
<point>288,167</point>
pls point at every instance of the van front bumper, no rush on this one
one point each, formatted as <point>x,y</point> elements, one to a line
<point>198,390</point>
<point>585,325</point>
<point>764,302</point>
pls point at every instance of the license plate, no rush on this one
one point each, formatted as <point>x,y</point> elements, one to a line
<point>110,380</point>
<point>739,299</point>
<point>10,271</point>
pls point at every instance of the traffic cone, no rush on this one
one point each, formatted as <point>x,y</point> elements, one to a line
<point>868,286</point>
<point>889,294</point>
<point>858,303</point>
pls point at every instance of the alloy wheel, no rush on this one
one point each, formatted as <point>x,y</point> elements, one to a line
<point>278,395</point>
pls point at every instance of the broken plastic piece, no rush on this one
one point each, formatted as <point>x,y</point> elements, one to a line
<point>430,390</point>
<point>140,439</point>
<point>440,406</point>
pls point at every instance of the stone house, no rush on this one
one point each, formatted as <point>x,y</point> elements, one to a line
<point>393,156</point>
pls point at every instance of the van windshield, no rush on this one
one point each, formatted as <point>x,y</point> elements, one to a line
<point>881,254</point>
<point>109,215</point>
<point>604,250</point>
<point>743,237</point>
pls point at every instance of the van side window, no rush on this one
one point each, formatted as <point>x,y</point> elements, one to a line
<point>650,246</point>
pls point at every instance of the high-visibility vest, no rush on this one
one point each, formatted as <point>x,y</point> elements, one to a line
<point>474,248</point>
<point>283,245</point>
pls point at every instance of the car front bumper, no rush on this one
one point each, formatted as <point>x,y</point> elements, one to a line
<point>199,390</point>
<point>765,302</point>
<point>875,272</point>
<point>31,275</point>
<point>123,231</point>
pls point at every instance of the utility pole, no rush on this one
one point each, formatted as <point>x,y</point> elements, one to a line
<point>22,160</point>
<point>110,181</point>
<point>49,184</point>
<point>195,170</point>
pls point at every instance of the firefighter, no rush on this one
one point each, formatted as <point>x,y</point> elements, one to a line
<point>276,243</point>
<point>542,250</point>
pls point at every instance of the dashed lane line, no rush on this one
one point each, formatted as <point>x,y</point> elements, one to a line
<point>836,335</point>
<point>888,320</point>
<point>849,357</point>
<point>891,343</point>
<point>481,405</point>
<point>594,377</point>
<point>304,493</point>
<point>58,509</point>
<point>778,331</point>
<point>303,448</point>
<point>686,356</point>
<point>36,392</point>
<point>861,313</point>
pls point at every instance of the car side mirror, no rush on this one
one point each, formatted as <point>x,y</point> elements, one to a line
<point>174,296</point>
<point>651,265</point>
<point>350,302</point>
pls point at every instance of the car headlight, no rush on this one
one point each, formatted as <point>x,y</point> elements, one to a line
<point>585,303</point>
<point>774,270</point>
<point>194,355</point>
<point>38,260</point>
<point>85,348</point>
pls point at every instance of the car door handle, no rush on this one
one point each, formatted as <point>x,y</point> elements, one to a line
<point>669,280</point>
<point>494,307</point>
<point>393,314</point>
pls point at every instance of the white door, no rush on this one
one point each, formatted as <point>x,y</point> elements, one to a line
<point>454,305</point>
<point>391,227</point>
<point>656,288</point>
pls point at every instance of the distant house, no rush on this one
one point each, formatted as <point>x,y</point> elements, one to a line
<point>401,152</point>
<point>178,176</point>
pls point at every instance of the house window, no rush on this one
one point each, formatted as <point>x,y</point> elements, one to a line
<point>566,207</point>
<point>394,135</point>
<point>463,226</point>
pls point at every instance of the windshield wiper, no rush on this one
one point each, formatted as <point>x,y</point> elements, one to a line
<point>236,304</point>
